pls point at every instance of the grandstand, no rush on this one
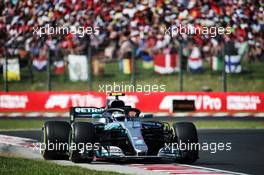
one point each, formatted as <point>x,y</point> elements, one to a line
<point>122,29</point>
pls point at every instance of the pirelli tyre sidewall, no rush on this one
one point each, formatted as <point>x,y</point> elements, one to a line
<point>185,132</point>
<point>55,138</point>
<point>81,133</point>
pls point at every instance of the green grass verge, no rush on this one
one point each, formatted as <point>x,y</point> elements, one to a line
<point>16,124</point>
<point>17,166</point>
<point>252,79</point>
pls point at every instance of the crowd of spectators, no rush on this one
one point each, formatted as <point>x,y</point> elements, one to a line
<point>124,25</point>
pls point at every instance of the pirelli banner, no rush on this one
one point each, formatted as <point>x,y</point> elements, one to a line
<point>167,102</point>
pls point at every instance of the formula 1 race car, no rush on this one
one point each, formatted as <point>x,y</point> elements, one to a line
<point>117,132</point>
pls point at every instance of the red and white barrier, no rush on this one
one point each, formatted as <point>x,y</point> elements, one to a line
<point>213,102</point>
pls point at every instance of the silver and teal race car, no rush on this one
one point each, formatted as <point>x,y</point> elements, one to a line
<point>117,132</point>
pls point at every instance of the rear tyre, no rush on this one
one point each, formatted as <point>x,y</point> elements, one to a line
<point>82,133</point>
<point>186,133</point>
<point>55,139</point>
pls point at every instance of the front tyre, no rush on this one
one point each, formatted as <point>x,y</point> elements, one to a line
<point>55,139</point>
<point>81,135</point>
<point>186,133</point>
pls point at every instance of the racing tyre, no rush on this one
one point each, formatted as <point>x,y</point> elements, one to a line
<point>186,133</point>
<point>82,134</point>
<point>55,139</point>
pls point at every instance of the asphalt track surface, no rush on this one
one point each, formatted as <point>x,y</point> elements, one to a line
<point>246,155</point>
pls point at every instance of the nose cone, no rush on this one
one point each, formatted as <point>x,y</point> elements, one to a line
<point>141,150</point>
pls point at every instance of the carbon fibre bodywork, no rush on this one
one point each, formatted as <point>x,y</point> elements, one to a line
<point>118,132</point>
<point>129,136</point>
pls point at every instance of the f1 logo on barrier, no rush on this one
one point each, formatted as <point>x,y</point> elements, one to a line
<point>65,100</point>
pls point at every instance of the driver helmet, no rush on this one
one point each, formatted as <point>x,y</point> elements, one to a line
<point>117,116</point>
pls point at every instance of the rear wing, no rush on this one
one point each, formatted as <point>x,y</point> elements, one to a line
<point>84,112</point>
